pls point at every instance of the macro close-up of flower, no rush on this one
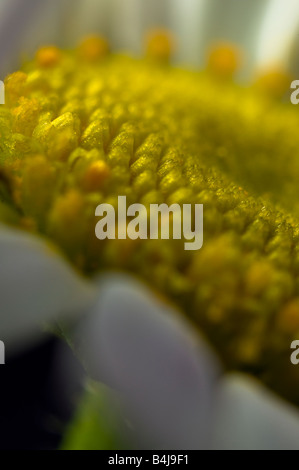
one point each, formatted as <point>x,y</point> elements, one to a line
<point>120,333</point>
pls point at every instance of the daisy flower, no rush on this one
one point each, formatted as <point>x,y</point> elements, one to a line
<point>81,126</point>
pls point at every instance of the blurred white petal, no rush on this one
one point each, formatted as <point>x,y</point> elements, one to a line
<point>265,29</point>
<point>36,286</point>
<point>187,19</point>
<point>89,17</point>
<point>235,22</point>
<point>126,25</point>
<point>26,25</point>
<point>278,33</point>
<point>130,20</point>
<point>249,417</point>
<point>165,373</point>
<point>155,13</point>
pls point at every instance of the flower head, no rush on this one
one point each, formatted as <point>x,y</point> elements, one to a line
<point>75,136</point>
<point>82,126</point>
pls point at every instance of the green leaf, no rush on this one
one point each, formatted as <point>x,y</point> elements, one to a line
<point>98,423</point>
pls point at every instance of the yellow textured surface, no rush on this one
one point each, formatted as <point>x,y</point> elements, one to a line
<point>75,133</point>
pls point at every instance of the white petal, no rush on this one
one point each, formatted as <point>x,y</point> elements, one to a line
<point>200,23</point>
<point>88,17</point>
<point>236,22</point>
<point>26,25</point>
<point>188,19</point>
<point>126,27</point>
<point>278,33</point>
<point>144,349</point>
<point>249,417</point>
<point>36,286</point>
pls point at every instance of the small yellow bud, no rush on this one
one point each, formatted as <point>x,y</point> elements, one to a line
<point>93,48</point>
<point>26,116</point>
<point>288,317</point>
<point>274,82</point>
<point>48,56</point>
<point>159,45</point>
<point>95,176</point>
<point>37,187</point>
<point>258,277</point>
<point>15,85</point>
<point>66,221</point>
<point>224,60</point>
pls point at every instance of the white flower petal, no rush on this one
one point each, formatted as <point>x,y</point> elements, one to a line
<point>36,286</point>
<point>278,33</point>
<point>188,20</point>
<point>26,25</point>
<point>126,27</point>
<point>88,17</point>
<point>141,347</point>
<point>236,22</point>
<point>249,417</point>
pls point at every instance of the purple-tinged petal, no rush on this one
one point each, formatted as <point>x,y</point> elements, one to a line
<point>36,285</point>
<point>249,417</point>
<point>143,348</point>
<point>26,25</point>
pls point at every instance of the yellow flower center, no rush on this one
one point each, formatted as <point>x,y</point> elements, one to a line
<point>82,127</point>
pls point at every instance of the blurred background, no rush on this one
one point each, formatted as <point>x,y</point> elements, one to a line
<point>266,30</point>
<point>267,33</point>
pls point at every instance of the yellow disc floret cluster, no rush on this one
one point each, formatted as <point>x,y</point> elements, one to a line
<point>82,127</point>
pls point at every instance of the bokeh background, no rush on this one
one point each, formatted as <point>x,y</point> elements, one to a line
<point>37,397</point>
<point>266,30</point>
